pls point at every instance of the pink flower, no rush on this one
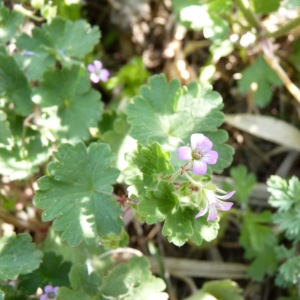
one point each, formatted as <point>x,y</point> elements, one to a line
<point>97,72</point>
<point>200,153</point>
<point>215,203</point>
<point>50,292</point>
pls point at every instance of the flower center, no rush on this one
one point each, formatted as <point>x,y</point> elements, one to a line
<point>197,154</point>
<point>218,206</point>
<point>51,295</point>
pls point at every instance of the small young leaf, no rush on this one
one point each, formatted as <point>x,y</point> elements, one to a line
<point>53,270</point>
<point>18,256</point>
<point>14,87</point>
<point>84,286</point>
<point>9,23</point>
<point>147,166</point>
<point>78,193</point>
<point>66,96</point>
<point>243,183</point>
<point>260,74</point>
<point>158,202</point>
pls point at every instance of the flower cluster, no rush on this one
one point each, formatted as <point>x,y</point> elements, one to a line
<point>97,72</point>
<point>201,154</point>
<point>50,292</point>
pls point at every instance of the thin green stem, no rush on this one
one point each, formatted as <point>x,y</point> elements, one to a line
<point>194,182</point>
<point>28,13</point>
<point>249,15</point>
<point>178,172</point>
<point>23,136</point>
<point>284,29</point>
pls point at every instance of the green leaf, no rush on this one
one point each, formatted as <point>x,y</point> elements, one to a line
<point>5,132</point>
<point>148,165</point>
<point>204,230</point>
<point>170,114</point>
<point>8,292</point>
<point>130,76</point>
<point>158,202</point>
<point>223,289</point>
<point>63,40</point>
<point>23,160</point>
<point>18,256</point>
<point>68,9</point>
<point>119,141</point>
<point>266,6</point>
<point>243,183</point>
<point>69,103</point>
<point>256,235</point>
<point>115,283</point>
<point>84,286</point>
<point>78,193</point>
<point>289,272</point>
<point>9,23</point>
<point>265,263</point>
<point>214,26</point>
<point>14,87</point>
<point>53,270</point>
<point>178,226</point>
<point>284,193</point>
<point>285,197</point>
<point>261,77</point>
<point>133,280</point>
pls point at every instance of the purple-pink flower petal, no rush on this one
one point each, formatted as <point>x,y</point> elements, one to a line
<point>199,167</point>
<point>44,297</point>
<point>196,138</point>
<point>202,212</point>
<point>210,157</point>
<point>205,144</point>
<point>91,68</point>
<point>104,74</point>
<point>98,64</point>
<point>213,212</point>
<point>94,78</point>
<point>48,288</point>
<point>184,153</point>
<point>227,196</point>
<point>222,205</point>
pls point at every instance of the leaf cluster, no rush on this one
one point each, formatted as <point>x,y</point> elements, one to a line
<point>45,92</point>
